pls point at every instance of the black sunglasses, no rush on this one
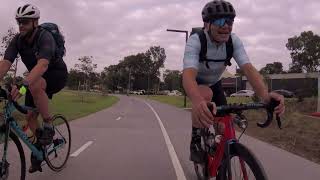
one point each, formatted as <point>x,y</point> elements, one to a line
<point>23,21</point>
<point>222,21</point>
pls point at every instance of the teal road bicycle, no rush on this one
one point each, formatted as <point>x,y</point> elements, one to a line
<point>12,156</point>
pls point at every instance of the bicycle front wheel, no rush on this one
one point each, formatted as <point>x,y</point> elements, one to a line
<point>201,170</point>
<point>57,154</point>
<point>244,165</point>
<point>14,158</point>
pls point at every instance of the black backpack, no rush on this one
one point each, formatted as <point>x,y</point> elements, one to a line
<point>58,37</point>
<point>203,52</point>
<point>60,50</point>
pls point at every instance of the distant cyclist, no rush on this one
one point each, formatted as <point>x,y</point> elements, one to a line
<point>202,72</point>
<point>47,72</point>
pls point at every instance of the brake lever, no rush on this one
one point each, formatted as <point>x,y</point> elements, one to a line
<point>279,121</point>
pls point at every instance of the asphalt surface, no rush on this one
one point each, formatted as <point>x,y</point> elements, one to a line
<point>140,139</point>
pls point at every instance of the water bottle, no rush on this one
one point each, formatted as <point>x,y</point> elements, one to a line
<point>32,138</point>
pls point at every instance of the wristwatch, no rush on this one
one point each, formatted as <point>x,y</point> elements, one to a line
<point>23,89</point>
<point>25,83</point>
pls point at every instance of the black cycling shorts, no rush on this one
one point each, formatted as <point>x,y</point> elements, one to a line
<point>56,81</point>
<point>218,94</point>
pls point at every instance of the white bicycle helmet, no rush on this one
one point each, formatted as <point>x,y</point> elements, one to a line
<point>28,11</point>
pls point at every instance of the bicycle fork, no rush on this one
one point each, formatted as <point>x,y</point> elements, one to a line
<point>228,161</point>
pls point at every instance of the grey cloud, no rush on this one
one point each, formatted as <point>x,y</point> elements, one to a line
<point>112,29</point>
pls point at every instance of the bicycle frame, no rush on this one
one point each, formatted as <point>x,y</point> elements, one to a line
<point>11,124</point>
<point>223,148</point>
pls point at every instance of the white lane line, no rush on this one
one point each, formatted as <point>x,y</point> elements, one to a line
<point>82,148</point>
<point>174,158</point>
<point>118,118</point>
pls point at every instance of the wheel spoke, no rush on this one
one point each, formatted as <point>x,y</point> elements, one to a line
<point>58,155</point>
<point>244,166</point>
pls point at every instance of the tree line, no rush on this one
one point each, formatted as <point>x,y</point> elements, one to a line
<point>304,52</point>
<point>142,71</point>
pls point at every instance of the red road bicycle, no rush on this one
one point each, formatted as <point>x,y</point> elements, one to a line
<point>225,157</point>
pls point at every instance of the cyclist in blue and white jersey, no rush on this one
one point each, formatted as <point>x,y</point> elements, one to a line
<point>202,71</point>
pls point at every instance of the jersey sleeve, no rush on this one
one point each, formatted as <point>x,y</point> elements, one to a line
<point>239,53</point>
<point>46,46</point>
<point>12,50</point>
<point>191,53</point>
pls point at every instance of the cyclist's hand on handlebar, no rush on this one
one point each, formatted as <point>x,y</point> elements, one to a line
<point>280,108</point>
<point>15,94</point>
<point>202,114</point>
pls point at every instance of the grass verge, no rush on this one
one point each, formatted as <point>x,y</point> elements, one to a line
<point>74,104</point>
<point>300,134</point>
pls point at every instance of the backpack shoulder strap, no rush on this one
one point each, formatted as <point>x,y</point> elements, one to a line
<point>229,49</point>
<point>203,49</point>
<point>37,37</point>
<point>18,42</point>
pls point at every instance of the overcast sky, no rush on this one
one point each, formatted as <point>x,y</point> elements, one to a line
<point>112,29</point>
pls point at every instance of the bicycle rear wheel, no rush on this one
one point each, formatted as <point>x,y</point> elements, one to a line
<point>57,154</point>
<point>244,165</point>
<point>15,158</point>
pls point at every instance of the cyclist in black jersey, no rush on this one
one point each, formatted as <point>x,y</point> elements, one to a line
<point>47,73</point>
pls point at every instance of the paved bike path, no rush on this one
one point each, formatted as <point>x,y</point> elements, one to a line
<point>129,147</point>
<point>278,163</point>
<point>127,143</point>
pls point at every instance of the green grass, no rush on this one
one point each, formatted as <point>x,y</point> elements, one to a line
<point>74,104</point>
<point>300,133</point>
<point>178,101</point>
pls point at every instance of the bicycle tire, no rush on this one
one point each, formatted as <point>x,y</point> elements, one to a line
<point>201,171</point>
<point>17,143</point>
<point>59,121</point>
<point>242,152</point>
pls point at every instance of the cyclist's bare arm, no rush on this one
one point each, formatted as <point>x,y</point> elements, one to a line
<point>255,80</point>
<point>4,67</point>
<point>199,104</point>
<point>259,87</point>
<point>190,85</point>
<point>38,71</point>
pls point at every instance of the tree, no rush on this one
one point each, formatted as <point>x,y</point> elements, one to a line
<point>156,58</point>
<point>5,41</point>
<point>95,80</point>
<point>110,77</point>
<point>295,68</point>
<point>87,67</point>
<point>305,51</point>
<point>74,78</point>
<point>274,68</point>
<point>143,69</point>
<point>172,80</point>
<point>157,55</point>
